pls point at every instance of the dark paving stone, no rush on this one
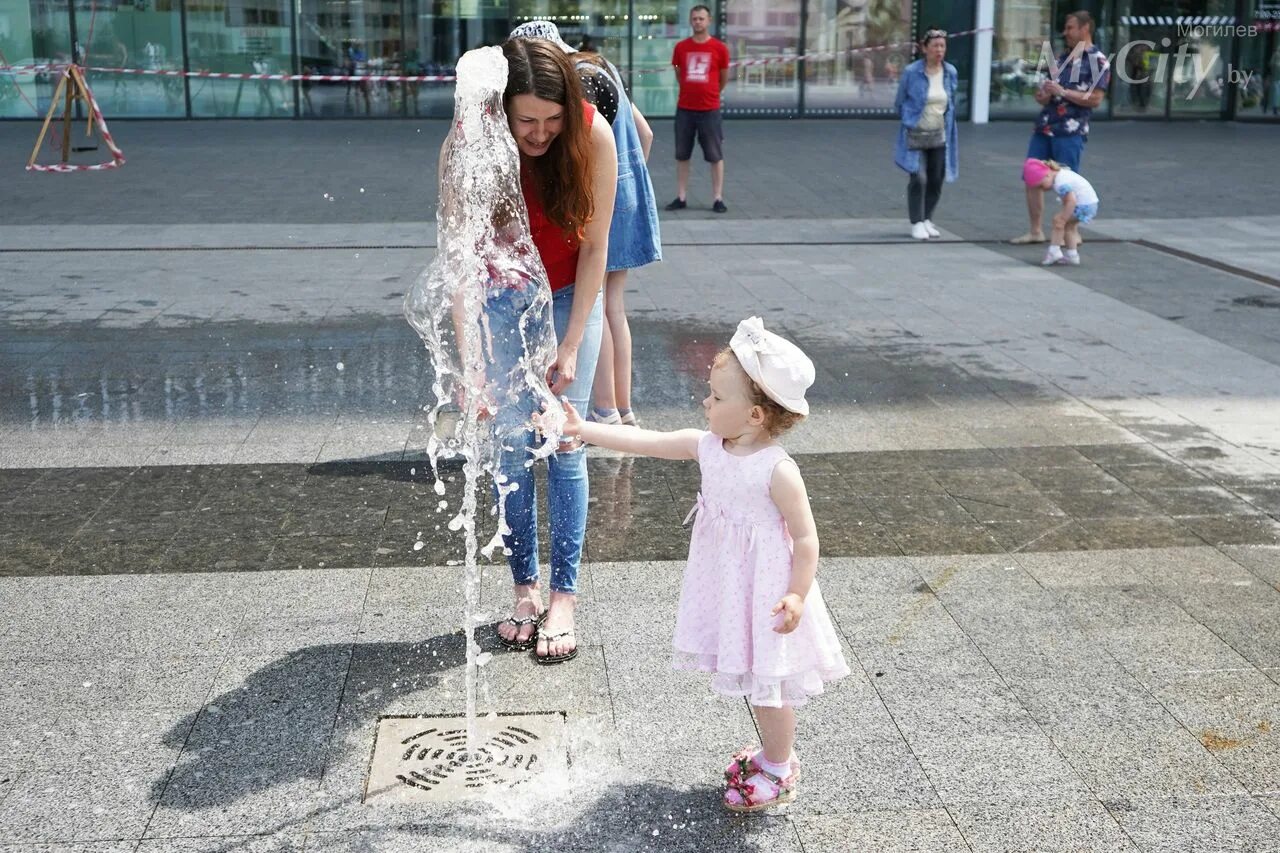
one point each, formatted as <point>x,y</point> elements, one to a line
<point>21,556</point>
<point>1108,455</point>
<point>439,547</point>
<point>323,552</point>
<point>254,517</point>
<point>953,459</point>
<point>110,526</point>
<point>1235,530</point>
<point>1071,479</point>
<point>1117,503</point>
<point>1020,458</point>
<point>1139,532</point>
<point>1170,476</point>
<point>49,527</point>
<point>353,519</point>
<point>1045,534</point>
<point>857,540</point>
<point>613,549</point>
<point>97,480</point>
<point>906,482</point>
<point>833,510</point>
<point>263,524</point>
<point>890,460</point>
<point>37,503</point>
<point>969,481</point>
<point>1203,500</point>
<point>916,539</point>
<point>15,481</point>
<point>84,556</point>
<point>913,509</point>
<point>216,554</point>
<point>1009,506</point>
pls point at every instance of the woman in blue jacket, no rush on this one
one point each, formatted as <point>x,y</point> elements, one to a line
<point>926,148</point>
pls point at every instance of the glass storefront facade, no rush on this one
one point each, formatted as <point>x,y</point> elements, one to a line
<point>1179,58</point>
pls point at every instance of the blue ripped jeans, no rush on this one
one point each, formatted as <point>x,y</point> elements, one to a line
<point>567,491</point>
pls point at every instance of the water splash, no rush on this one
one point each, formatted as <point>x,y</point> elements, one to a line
<point>483,310</point>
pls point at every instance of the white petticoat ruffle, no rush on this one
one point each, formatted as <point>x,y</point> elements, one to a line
<point>763,691</point>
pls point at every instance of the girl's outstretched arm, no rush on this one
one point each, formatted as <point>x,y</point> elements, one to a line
<point>679,444</point>
<point>789,495</point>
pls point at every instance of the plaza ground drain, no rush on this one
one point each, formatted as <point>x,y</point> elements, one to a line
<point>425,759</point>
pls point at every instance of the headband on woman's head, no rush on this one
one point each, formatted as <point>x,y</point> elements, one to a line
<point>929,35</point>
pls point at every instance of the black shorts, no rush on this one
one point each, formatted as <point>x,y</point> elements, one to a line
<point>710,133</point>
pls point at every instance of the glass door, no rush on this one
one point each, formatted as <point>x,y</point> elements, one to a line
<point>1173,58</point>
<point>656,27</point>
<point>1256,85</point>
<point>38,32</point>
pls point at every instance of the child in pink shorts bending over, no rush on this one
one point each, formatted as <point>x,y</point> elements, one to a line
<point>750,610</point>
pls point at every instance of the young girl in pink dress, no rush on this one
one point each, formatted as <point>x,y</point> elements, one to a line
<point>750,609</point>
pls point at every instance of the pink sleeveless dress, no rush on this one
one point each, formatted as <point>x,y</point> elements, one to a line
<point>739,567</point>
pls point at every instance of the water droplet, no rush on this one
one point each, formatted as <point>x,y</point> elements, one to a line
<point>419,545</point>
<point>362,189</point>
<point>340,366</point>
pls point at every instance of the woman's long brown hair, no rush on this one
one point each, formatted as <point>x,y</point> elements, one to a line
<point>562,176</point>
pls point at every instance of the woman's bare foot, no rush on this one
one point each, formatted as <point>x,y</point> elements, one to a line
<point>555,638</point>
<point>528,606</point>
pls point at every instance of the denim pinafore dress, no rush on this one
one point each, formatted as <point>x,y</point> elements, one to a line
<point>634,236</point>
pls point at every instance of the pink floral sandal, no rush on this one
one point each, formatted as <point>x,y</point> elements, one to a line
<point>751,788</point>
<point>743,763</point>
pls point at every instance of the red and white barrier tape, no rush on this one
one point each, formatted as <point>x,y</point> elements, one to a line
<point>441,78</point>
<point>117,156</point>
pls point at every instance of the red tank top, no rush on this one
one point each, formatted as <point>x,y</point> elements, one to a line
<point>557,247</point>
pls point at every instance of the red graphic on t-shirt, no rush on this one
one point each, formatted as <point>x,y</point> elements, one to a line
<point>700,64</point>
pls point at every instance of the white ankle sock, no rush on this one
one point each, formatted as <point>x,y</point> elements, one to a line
<point>782,770</point>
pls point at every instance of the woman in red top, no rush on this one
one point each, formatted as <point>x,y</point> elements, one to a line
<point>569,171</point>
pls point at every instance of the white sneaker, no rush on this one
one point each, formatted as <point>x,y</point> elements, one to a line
<point>933,232</point>
<point>1051,258</point>
<point>919,232</point>
<point>1072,260</point>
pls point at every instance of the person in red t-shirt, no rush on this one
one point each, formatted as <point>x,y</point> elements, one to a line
<point>702,69</point>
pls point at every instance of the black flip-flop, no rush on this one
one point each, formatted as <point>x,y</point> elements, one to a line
<point>531,640</point>
<point>547,660</point>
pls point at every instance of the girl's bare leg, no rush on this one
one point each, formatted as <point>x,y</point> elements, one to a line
<point>1059,230</point>
<point>615,314</point>
<point>1073,234</point>
<point>777,732</point>
<point>602,387</point>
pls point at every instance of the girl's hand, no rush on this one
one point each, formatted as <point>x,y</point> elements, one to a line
<point>791,606</point>
<point>565,368</point>
<point>572,420</point>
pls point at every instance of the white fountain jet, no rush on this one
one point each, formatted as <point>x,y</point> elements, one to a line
<point>483,309</point>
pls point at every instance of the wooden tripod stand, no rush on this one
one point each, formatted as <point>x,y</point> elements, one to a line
<point>71,88</point>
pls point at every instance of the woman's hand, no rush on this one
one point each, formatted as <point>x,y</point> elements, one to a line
<point>565,368</point>
<point>791,606</point>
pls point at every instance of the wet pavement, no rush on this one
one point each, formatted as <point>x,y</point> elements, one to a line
<point>1048,501</point>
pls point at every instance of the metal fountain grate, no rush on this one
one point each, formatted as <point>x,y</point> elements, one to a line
<point>425,760</point>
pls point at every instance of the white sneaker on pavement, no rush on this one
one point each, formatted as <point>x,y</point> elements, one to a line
<point>933,232</point>
<point>919,232</point>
